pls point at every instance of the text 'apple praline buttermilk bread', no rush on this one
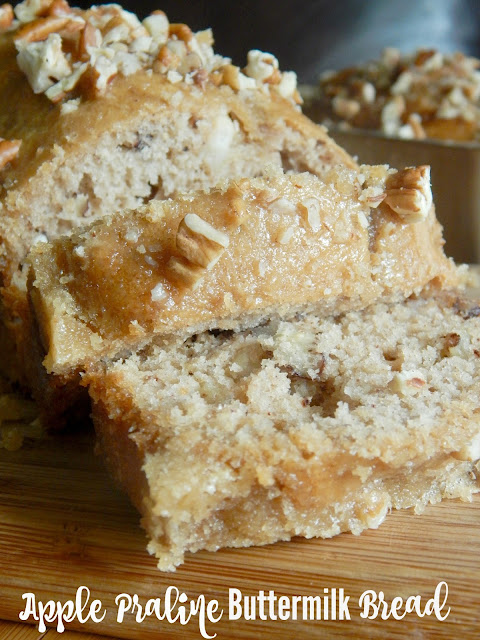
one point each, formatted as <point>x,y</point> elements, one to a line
<point>101,112</point>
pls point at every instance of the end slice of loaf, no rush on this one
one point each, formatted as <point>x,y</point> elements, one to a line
<point>233,257</point>
<point>99,112</point>
<point>307,427</point>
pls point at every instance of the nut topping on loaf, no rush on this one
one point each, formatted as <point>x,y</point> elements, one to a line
<point>407,192</point>
<point>63,50</point>
<point>424,94</point>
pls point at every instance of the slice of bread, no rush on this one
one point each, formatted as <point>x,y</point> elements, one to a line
<point>234,257</point>
<point>110,112</point>
<point>305,427</point>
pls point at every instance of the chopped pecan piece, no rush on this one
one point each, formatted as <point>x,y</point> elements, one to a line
<point>201,78</point>
<point>166,59</point>
<point>90,37</point>
<point>181,31</point>
<point>234,78</point>
<point>237,204</point>
<point>59,8</point>
<point>415,121</point>
<point>30,9</point>
<point>199,241</point>
<point>200,246</point>
<point>311,209</point>
<point>40,29</point>
<point>185,271</point>
<point>6,16</point>
<point>8,151</point>
<point>409,194</point>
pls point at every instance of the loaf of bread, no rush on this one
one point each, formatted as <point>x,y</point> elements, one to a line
<point>222,303</point>
<point>423,94</point>
<point>306,427</point>
<point>233,257</point>
<point>110,112</point>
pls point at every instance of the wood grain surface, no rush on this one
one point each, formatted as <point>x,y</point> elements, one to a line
<point>63,524</point>
<point>13,631</point>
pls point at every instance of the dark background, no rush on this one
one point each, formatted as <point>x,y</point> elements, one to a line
<point>315,35</point>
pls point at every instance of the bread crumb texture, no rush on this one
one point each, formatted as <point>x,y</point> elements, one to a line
<point>307,427</point>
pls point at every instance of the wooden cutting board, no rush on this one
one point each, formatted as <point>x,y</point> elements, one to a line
<point>63,524</point>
